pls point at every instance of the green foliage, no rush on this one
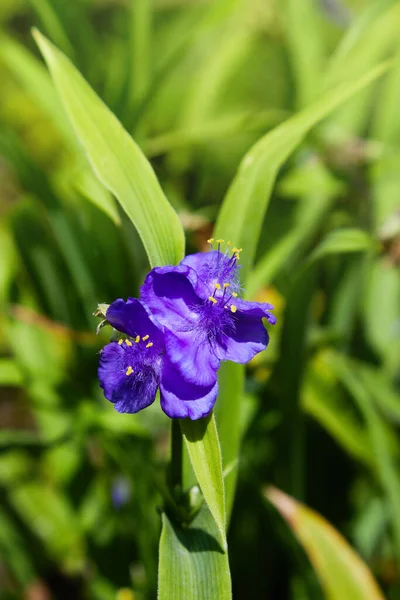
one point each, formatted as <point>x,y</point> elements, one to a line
<point>270,124</point>
<point>117,161</point>
<point>342,573</point>
<point>192,563</point>
<point>201,439</point>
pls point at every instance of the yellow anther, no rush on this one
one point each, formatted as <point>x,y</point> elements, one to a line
<point>128,342</point>
<point>237,256</point>
<point>212,299</point>
<point>228,243</point>
<point>234,294</point>
<point>220,241</point>
<point>233,308</point>
<point>234,250</point>
<point>217,286</point>
<point>129,370</point>
<point>149,345</point>
<point>137,339</point>
<point>210,241</point>
<point>121,341</point>
<point>226,285</point>
<point>146,337</point>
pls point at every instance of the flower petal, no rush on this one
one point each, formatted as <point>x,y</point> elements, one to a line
<point>132,318</point>
<point>255,309</point>
<point>248,338</point>
<point>170,296</point>
<point>211,268</point>
<point>111,373</point>
<point>128,392</point>
<point>193,358</point>
<point>180,400</point>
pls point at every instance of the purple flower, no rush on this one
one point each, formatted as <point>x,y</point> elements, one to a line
<point>203,317</point>
<point>189,319</point>
<point>132,369</point>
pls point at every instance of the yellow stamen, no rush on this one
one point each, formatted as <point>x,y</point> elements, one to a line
<point>213,300</point>
<point>234,294</point>
<point>210,241</point>
<point>217,286</point>
<point>228,243</point>
<point>146,337</point>
<point>129,370</point>
<point>149,345</point>
<point>233,308</point>
<point>234,250</point>
<point>121,341</point>
<point>220,241</point>
<point>226,285</point>
<point>137,339</point>
<point>128,342</point>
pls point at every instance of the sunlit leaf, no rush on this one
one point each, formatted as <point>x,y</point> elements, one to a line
<point>193,565</point>
<point>242,213</point>
<point>117,160</point>
<point>201,438</point>
<point>340,570</point>
<point>231,382</point>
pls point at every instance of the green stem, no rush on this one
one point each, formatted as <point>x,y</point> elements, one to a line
<point>176,454</point>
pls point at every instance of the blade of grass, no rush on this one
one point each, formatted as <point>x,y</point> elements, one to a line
<point>117,160</point>
<point>346,370</point>
<point>340,570</point>
<point>244,207</point>
<point>201,439</point>
<point>192,564</point>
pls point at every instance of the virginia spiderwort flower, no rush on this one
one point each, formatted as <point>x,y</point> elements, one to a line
<point>132,369</point>
<point>189,319</point>
<point>204,319</point>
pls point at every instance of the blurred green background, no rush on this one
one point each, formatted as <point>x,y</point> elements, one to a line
<point>197,82</point>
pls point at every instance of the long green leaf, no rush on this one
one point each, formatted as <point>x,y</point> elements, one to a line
<point>317,189</point>
<point>340,570</point>
<point>306,40</point>
<point>117,160</point>
<point>342,241</point>
<point>231,382</point>
<point>320,398</point>
<point>369,41</point>
<point>246,202</point>
<point>242,213</point>
<point>346,371</point>
<point>193,566</point>
<point>201,438</point>
<point>53,24</point>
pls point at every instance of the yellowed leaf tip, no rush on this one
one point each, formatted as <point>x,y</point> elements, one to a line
<point>283,503</point>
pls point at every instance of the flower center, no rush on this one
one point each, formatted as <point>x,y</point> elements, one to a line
<point>140,356</point>
<point>221,267</point>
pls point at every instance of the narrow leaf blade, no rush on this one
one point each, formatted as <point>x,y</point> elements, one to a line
<point>242,213</point>
<point>192,564</point>
<point>343,241</point>
<point>201,438</point>
<point>340,570</point>
<point>117,161</point>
